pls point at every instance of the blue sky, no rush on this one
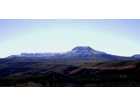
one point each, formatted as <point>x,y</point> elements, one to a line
<point>120,37</point>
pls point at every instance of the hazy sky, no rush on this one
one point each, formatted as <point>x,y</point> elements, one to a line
<point>121,37</point>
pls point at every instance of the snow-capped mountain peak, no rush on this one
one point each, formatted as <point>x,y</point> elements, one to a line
<point>85,50</point>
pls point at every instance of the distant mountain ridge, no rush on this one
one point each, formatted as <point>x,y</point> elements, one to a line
<point>77,53</point>
<point>137,56</point>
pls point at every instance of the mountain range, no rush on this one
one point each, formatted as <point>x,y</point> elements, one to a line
<point>77,53</point>
<point>82,66</point>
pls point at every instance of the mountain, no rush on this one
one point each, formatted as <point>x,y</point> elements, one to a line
<point>77,53</point>
<point>137,56</point>
<point>89,53</point>
<point>84,52</point>
<point>82,66</point>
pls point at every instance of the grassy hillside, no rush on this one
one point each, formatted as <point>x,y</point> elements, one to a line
<point>78,73</point>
